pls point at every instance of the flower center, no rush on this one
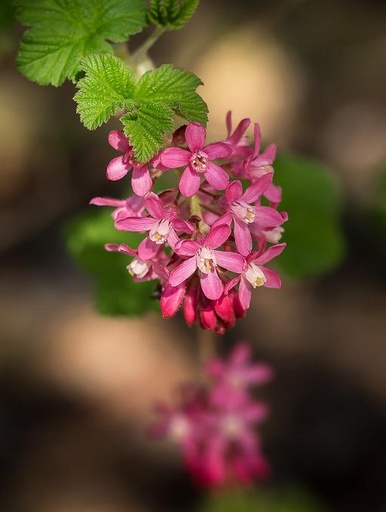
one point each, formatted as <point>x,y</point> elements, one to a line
<point>231,426</point>
<point>179,428</point>
<point>206,260</point>
<point>243,211</point>
<point>255,276</point>
<point>199,162</point>
<point>138,268</point>
<point>160,232</point>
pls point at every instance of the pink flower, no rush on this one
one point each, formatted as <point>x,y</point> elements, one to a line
<point>121,165</point>
<point>257,274</point>
<point>258,164</point>
<point>237,140</point>
<point>198,160</point>
<point>204,257</point>
<point>231,450</point>
<point>130,207</point>
<point>243,213</point>
<point>236,375</point>
<point>139,269</point>
<point>217,438</point>
<point>162,226</point>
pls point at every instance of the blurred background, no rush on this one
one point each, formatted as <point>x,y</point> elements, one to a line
<point>77,388</point>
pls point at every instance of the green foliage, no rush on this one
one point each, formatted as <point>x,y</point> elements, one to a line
<point>149,105</point>
<point>286,500</point>
<point>115,291</point>
<point>311,197</point>
<point>108,83</point>
<point>64,31</point>
<point>171,14</point>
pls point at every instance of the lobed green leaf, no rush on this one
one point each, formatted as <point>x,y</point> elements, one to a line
<point>63,32</point>
<point>171,14</point>
<point>107,86</point>
<point>149,106</point>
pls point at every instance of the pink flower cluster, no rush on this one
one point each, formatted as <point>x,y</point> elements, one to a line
<point>214,426</point>
<point>207,240</point>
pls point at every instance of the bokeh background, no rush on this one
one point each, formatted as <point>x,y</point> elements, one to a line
<point>77,388</point>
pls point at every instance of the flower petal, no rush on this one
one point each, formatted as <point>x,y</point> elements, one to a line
<point>267,217</point>
<point>108,201</point>
<point>171,300</point>
<point>216,176</point>
<point>218,150</point>
<point>257,143</point>
<point>141,181</point>
<point>217,236</point>
<point>147,249</point>
<point>243,237</point>
<point>269,254</point>
<point>175,157</point>
<point>195,135</point>
<point>272,278</point>
<point>119,141</point>
<point>258,188</point>
<point>189,182</point>
<point>245,293</point>
<point>117,169</point>
<point>211,285</point>
<point>183,271</point>
<point>232,261</point>
<point>234,191</point>
<point>187,247</point>
<point>135,224</point>
<point>154,206</point>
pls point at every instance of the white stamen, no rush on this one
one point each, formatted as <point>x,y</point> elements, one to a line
<point>138,268</point>
<point>160,232</point>
<point>199,162</point>
<point>206,260</point>
<point>243,211</point>
<point>255,276</point>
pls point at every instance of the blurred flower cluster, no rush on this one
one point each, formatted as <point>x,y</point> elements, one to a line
<point>213,425</point>
<point>209,238</point>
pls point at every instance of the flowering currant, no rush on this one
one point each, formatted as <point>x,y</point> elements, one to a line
<point>207,239</point>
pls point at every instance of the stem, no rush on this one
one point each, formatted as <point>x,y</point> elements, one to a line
<point>206,347</point>
<point>141,53</point>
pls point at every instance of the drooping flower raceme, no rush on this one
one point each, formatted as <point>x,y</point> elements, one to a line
<point>214,426</point>
<point>207,239</point>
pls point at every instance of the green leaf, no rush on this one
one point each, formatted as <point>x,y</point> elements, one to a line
<point>109,83</point>
<point>64,31</point>
<point>311,196</point>
<point>115,291</point>
<point>171,14</point>
<point>150,105</point>
<point>159,95</point>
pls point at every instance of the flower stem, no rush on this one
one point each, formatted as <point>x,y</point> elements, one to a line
<point>206,347</point>
<point>141,53</point>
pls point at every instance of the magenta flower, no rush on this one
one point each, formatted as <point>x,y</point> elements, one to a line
<point>237,140</point>
<point>139,269</point>
<point>236,375</point>
<point>130,207</point>
<point>162,226</point>
<point>257,274</point>
<point>231,450</point>
<point>243,213</point>
<point>204,257</point>
<point>118,167</point>
<point>198,160</point>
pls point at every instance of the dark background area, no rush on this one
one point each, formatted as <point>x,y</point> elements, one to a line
<point>76,389</point>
